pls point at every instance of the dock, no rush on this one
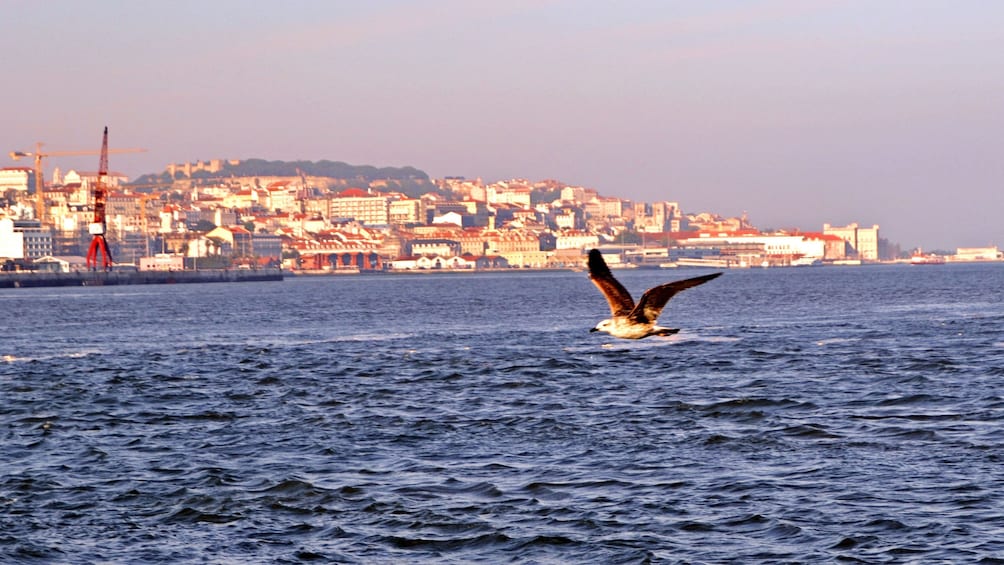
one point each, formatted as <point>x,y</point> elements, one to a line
<point>22,279</point>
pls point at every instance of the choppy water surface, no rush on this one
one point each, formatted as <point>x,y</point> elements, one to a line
<point>801,415</point>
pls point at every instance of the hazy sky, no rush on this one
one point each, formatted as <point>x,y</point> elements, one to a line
<point>798,112</point>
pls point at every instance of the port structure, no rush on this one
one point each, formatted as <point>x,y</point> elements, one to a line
<point>38,155</point>
<point>97,228</point>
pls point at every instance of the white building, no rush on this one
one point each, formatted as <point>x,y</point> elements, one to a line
<point>575,194</point>
<point>405,211</point>
<point>862,241</point>
<point>504,193</point>
<point>88,178</point>
<point>357,205</point>
<point>11,242</point>
<point>19,179</point>
<point>449,218</point>
<point>429,262</point>
<point>575,239</point>
<point>977,254</point>
<point>162,262</point>
<point>24,239</point>
<point>772,249</point>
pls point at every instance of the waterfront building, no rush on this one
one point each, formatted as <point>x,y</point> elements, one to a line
<point>430,262</point>
<point>527,259</point>
<point>834,248</point>
<point>868,243</point>
<point>862,243</point>
<point>977,254</point>
<point>162,262</point>
<point>349,247</point>
<point>61,264</point>
<point>11,242</point>
<point>24,239</point>
<point>750,249</point>
<point>267,248</point>
<point>453,262</point>
<point>440,247</point>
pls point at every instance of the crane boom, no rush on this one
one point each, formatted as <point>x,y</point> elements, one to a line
<point>39,155</point>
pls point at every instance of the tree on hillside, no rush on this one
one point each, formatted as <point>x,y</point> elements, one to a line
<point>538,196</point>
<point>323,168</point>
<point>204,226</point>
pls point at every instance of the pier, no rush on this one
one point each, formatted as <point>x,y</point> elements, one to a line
<point>22,279</point>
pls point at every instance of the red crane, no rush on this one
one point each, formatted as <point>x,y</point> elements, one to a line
<point>97,227</point>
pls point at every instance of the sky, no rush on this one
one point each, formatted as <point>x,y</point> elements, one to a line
<point>796,112</point>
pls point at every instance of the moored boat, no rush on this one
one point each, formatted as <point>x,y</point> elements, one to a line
<point>929,259</point>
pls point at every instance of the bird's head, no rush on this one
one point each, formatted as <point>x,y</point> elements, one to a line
<point>603,326</point>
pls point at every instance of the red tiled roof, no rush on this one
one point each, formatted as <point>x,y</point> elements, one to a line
<point>822,236</point>
<point>352,193</point>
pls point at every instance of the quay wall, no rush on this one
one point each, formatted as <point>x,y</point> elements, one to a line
<point>111,278</point>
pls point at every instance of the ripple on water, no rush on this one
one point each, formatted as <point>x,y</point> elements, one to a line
<point>262,426</point>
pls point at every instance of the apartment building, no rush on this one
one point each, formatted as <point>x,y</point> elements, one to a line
<point>361,206</point>
<point>405,211</point>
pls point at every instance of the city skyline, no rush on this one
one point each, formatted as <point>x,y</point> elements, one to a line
<point>796,113</point>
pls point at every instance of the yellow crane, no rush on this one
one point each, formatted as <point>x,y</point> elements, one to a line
<point>38,154</point>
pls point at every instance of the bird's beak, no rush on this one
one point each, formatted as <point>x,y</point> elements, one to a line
<point>591,330</point>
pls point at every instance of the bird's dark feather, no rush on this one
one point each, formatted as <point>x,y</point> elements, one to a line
<point>617,296</point>
<point>654,299</point>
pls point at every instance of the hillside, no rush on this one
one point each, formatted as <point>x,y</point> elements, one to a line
<point>323,168</point>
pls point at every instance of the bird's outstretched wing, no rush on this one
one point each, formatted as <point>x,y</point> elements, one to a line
<point>617,296</point>
<point>655,298</point>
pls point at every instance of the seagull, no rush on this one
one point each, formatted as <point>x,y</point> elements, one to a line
<point>630,320</point>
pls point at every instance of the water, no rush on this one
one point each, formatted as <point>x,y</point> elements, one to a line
<point>802,415</point>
